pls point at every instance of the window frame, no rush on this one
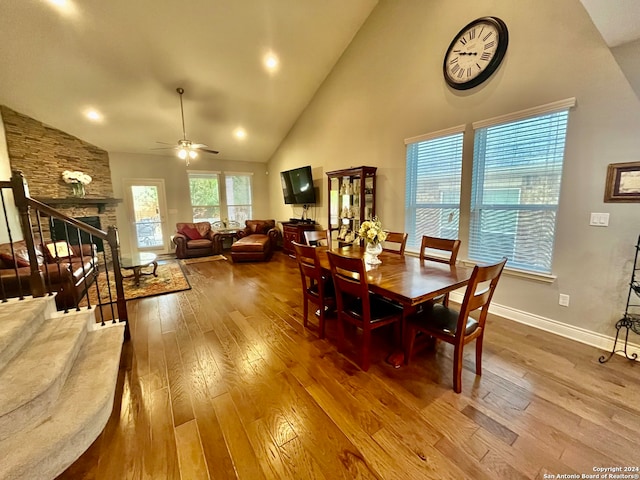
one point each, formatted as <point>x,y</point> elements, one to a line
<point>477,207</point>
<point>203,174</point>
<point>227,204</point>
<point>411,182</point>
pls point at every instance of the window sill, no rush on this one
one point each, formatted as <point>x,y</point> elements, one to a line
<point>514,272</point>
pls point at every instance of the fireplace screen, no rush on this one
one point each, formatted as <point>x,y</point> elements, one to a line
<point>58,231</point>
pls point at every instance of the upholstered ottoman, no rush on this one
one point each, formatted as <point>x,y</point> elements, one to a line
<point>256,247</point>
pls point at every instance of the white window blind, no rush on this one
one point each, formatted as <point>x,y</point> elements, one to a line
<point>205,196</point>
<point>517,173</point>
<point>239,198</point>
<point>432,202</point>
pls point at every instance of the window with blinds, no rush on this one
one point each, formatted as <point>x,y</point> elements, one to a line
<point>239,199</point>
<point>205,196</point>
<point>434,169</point>
<point>517,173</point>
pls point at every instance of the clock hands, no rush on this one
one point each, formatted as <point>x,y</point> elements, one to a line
<point>465,53</point>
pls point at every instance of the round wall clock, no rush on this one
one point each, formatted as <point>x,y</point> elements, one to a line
<point>475,53</point>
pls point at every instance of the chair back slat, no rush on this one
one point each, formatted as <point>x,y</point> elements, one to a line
<point>398,241</point>
<point>309,264</point>
<point>442,245</point>
<point>349,276</point>
<point>475,299</point>
<point>317,238</point>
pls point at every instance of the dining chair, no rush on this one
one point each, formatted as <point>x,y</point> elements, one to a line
<point>428,245</point>
<point>398,240</point>
<point>316,288</point>
<point>317,238</point>
<point>357,306</point>
<point>457,327</point>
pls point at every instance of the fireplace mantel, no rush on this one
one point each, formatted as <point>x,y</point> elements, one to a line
<point>101,203</point>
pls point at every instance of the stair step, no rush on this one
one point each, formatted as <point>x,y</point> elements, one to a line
<point>19,319</point>
<point>77,418</point>
<point>38,372</point>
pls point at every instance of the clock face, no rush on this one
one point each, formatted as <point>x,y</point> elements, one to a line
<point>475,53</point>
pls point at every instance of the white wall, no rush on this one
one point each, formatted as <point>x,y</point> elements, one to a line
<point>174,172</point>
<point>12,211</point>
<point>628,57</point>
<point>388,86</point>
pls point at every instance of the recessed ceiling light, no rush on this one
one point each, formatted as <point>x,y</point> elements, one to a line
<point>271,62</point>
<point>240,133</point>
<point>66,7</point>
<point>93,115</point>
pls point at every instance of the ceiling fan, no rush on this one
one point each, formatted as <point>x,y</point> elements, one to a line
<point>187,150</point>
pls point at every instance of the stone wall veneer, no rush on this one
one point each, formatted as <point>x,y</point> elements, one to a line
<point>42,153</point>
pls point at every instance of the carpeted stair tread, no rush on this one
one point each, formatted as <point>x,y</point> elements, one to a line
<point>38,372</point>
<point>19,319</point>
<point>77,418</point>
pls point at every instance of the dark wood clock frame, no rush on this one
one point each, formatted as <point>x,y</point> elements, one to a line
<point>503,42</point>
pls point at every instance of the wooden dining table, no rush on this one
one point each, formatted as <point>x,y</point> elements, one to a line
<point>404,279</point>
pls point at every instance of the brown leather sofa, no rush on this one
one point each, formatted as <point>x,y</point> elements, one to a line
<point>198,244</point>
<point>70,281</point>
<point>256,242</point>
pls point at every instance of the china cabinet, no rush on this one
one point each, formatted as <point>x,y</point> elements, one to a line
<point>352,200</point>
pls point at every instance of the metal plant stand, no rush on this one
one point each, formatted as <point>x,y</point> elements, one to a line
<point>631,318</point>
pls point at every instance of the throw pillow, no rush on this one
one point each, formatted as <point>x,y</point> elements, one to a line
<point>58,250</point>
<point>8,261</point>
<point>191,233</point>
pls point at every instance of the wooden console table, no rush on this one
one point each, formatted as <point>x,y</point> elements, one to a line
<point>294,232</point>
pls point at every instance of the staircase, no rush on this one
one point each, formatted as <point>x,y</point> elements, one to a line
<point>58,376</point>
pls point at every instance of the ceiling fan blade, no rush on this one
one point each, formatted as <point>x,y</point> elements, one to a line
<point>215,152</point>
<point>199,145</point>
<point>163,148</point>
<point>165,143</point>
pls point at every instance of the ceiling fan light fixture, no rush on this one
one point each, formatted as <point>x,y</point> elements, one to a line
<point>182,153</point>
<point>193,154</point>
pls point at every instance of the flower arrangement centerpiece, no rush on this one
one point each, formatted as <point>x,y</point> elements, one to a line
<point>78,180</point>
<point>371,232</point>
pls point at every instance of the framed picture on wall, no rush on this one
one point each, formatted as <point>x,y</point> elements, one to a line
<point>623,182</point>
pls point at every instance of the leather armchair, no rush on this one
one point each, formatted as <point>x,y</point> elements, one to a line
<point>195,247</point>
<point>256,241</point>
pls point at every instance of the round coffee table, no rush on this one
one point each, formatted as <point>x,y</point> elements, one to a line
<point>136,262</point>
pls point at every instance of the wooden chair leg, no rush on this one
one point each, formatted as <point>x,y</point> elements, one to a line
<point>366,346</point>
<point>410,338</point>
<point>305,312</point>
<point>341,340</point>
<point>321,321</point>
<point>457,369</point>
<point>479,354</point>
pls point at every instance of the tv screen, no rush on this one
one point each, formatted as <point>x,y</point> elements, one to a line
<point>297,186</point>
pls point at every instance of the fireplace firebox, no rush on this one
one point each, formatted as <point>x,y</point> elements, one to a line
<point>58,231</point>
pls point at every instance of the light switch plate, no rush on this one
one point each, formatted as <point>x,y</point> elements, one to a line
<point>599,220</point>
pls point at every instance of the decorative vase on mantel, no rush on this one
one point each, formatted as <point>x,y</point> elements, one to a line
<point>78,190</point>
<point>372,250</point>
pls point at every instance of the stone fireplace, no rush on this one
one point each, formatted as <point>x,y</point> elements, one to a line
<point>42,153</point>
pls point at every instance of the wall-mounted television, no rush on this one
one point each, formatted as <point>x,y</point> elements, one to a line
<point>297,186</point>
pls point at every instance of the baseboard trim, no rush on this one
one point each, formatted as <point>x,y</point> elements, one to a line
<point>593,339</point>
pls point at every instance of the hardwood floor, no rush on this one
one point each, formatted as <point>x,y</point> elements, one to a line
<point>222,382</point>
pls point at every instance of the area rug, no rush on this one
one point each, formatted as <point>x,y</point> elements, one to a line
<point>213,258</point>
<point>170,279</point>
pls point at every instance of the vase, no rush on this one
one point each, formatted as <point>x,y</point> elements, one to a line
<point>78,190</point>
<point>372,251</point>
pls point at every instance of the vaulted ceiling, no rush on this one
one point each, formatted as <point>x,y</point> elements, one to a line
<point>61,58</point>
<point>124,59</point>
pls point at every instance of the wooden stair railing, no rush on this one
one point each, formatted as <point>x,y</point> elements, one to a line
<point>40,275</point>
